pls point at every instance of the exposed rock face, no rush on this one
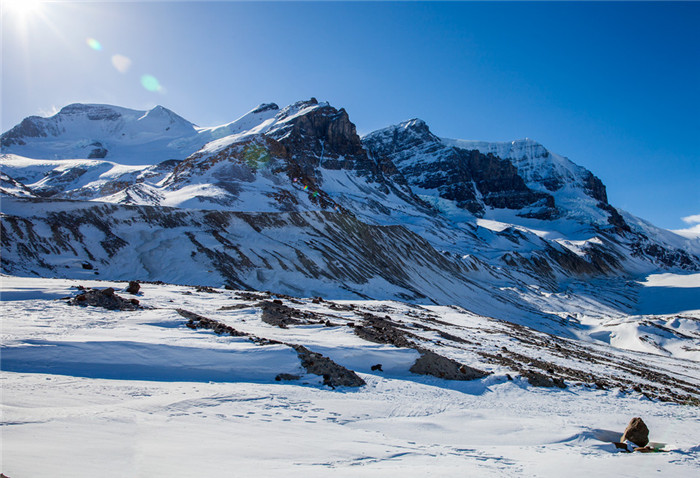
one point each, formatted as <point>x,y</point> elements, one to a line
<point>29,128</point>
<point>665,256</point>
<point>595,188</point>
<point>636,432</point>
<point>474,181</point>
<point>9,186</point>
<point>322,135</point>
<point>98,152</point>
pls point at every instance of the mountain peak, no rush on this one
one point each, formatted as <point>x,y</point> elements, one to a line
<point>94,112</point>
<point>262,107</point>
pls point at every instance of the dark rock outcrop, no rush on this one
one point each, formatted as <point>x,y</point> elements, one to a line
<point>383,331</point>
<point>105,298</point>
<point>98,151</point>
<point>334,375</point>
<point>436,365</point>
<point>30,127</point>
<point>196,321</point>
<point>277,314</point>
<point>537,379</point>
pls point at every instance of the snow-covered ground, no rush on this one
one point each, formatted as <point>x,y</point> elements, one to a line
<point>90,392</point>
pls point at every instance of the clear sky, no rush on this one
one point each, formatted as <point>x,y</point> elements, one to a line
<point>613,86</point>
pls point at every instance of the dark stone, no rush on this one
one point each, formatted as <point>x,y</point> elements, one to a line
<point>87,266</point>
<point>621,446</point>
<point>377,367</point>
<point>134,287</point>
<point>287,377</point>
<point>636,432</point>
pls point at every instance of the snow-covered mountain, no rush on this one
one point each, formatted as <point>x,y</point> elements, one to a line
<point>487,178</point>
<point>400,213</point>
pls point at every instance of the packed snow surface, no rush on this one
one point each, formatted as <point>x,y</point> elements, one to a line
<point>91,392</point>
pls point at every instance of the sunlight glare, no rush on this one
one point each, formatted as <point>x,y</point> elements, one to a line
<point>22,9</point>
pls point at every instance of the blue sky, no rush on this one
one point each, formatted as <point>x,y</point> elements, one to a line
<point>613,86</point>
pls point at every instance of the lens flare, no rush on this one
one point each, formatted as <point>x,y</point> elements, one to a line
<point>121,63</point>
<point>151,83</point>
<point>94,44</point>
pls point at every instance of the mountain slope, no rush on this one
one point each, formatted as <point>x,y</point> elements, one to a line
<point>526,230</point>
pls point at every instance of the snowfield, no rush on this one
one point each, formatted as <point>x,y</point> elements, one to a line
<point>94,392</point>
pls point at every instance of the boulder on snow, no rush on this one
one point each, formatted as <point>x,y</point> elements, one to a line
<point>134,287</point>
<point>636,432</point>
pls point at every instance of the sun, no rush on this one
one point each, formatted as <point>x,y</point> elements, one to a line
<point>21,8</point>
